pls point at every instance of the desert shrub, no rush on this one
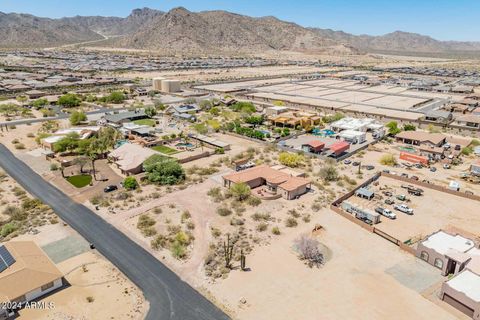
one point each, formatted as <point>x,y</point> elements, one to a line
<point>388,160</point>
<point>328,173</point>
<point>276,231</point>
<point>158,242</point>
<point>261,216</point>
<point>130,183</point>
<point>291,222</point>
<point>308,250</point>
<point>294,213</point>
<point>178,250</point>
<point>190,225</point>
<point>223,211</point>
<point>15,213</point>
<point>186,215</point>
<point>145,221</point>
<point>254,201</point>
<point>291,159</point>
<point>316,206</point>
<point>216,194</point>
<point>8,228</point>
<point>216,232</point>
<point>237,222</point>
<point>261,227</point>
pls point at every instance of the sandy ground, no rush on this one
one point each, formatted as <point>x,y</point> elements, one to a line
<point>352,285</point>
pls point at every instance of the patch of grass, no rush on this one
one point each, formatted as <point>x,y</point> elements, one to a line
<point>164,149</point>
<point>80,180</point>
<point>145,122</point>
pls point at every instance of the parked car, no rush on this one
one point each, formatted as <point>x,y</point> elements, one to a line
<point>404,175</point>
<point>469,192</point>
<point>446,166</point>
<point>385,212</point>
<point>433,169</point>
<point>389,201</point>
<point>386,171</point>
<point>347,161</point>
<point>110,188</point>
<point>415,192</point>
<point>457,147</point>
<point>355,163</point>
<point>401,197</point>
<point>370,167</point>
<point>387,193</point>
<point>403,208</point>
<point>419,166</point>
<point>414,178</point>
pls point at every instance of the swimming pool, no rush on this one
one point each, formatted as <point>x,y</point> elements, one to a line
<point>324,132</point>
<point>185,145</point>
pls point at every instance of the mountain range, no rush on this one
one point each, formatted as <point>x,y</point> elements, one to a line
<point>183,31</point>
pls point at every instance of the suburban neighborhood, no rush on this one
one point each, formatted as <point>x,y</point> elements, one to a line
<point>293,183</point>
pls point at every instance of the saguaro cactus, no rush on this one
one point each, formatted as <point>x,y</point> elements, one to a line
<point>228,251</point>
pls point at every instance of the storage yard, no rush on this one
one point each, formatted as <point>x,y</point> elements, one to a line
<point>432,211</point>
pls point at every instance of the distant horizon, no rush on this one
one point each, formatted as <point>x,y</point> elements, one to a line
<point>375,18</point>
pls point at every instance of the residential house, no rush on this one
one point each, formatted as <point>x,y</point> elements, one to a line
<point>418,138</point>
<point>469,120</point>
<point>458,257</point>
<point>26,273</point>
<point>129,158</point>
<point>128,116</point>
<point>268,181</point>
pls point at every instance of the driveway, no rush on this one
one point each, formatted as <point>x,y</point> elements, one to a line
<point>168,295</point>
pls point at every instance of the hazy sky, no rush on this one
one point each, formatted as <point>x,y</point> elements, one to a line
<point>441,19</point>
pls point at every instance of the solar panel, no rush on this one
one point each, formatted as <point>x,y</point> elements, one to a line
<point>6,259</point>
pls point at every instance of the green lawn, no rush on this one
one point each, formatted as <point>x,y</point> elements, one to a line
<point>164,149</point>
<point>145,122</point>
<point>80,180</point>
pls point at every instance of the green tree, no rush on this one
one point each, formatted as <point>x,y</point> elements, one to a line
<point>39,103</point>
<point>130,183</point>
<point>76,117</point>
<point>163,170</point>
<point>393,128</point>
<point>290,159</point>
<point>409,127</point>
<point>240,191</point>
<point>244,107</point>
<point>69,100</point>
<point>150,111</point>
<point>116,97</point>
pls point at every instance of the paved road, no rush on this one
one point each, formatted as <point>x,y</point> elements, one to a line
<point>168,295</point>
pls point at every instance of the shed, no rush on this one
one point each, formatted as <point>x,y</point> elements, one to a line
<point>364,193</point>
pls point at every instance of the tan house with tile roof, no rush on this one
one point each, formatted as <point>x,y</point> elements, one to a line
<point>27,273</point>
<point>277,181</point>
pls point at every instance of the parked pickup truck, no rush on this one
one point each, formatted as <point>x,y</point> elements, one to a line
<point>403,208</point>
<point>401,197</point>
<point>385,212</point>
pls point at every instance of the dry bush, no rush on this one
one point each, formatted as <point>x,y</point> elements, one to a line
<point>308,250</point>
